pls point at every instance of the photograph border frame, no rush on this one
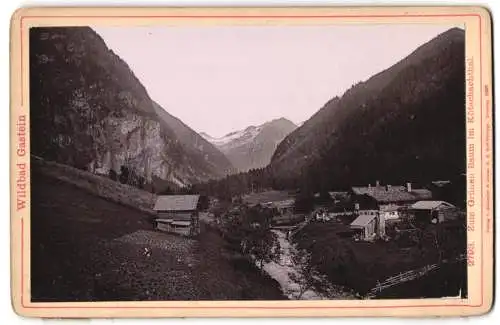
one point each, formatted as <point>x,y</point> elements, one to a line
<point>477,22</point>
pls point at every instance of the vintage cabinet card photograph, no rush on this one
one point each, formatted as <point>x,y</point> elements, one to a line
<point>251,162</point>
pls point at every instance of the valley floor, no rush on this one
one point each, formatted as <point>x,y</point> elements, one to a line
<point>361,266</point>
<point>86,248</point>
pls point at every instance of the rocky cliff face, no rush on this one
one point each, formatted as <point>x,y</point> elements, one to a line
<point>88,110</point>
<point>213,161</point>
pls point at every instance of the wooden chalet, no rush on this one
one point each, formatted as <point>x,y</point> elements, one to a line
<point>178,214</point>
<point>433,211</point>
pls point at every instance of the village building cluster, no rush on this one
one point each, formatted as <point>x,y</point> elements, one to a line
<point>369,209</point>
<point>376,206</point>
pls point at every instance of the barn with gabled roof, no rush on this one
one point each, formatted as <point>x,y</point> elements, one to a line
<point>433,211</point>
<point>178,214</point>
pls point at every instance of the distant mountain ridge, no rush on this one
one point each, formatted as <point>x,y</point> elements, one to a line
<point>406,122</point>
<point>253,146</point>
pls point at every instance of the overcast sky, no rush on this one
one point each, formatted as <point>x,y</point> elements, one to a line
<point>219,79</point>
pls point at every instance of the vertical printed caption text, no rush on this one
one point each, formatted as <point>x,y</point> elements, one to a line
<point>471,149</point>
<point>488,160</point>
<point>21,168</point>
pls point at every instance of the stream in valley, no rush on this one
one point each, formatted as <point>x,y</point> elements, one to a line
<point>292,281</point>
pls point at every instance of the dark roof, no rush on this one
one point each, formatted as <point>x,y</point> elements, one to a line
<point>441,183</point>
<point>176,202</point>
<point>393,193</point>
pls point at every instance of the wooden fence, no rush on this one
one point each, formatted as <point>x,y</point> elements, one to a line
<point>407,276</point>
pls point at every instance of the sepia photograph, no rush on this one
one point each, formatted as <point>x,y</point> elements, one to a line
<point>176,163</point>
<point>250,162</point>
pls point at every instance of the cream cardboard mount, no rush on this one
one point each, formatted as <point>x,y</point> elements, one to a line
<point>376,200</point>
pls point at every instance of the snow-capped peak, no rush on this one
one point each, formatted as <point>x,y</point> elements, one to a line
<point>206,136</point>
<point>234,138</point>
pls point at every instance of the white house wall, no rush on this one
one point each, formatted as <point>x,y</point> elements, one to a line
<point>390,211</point>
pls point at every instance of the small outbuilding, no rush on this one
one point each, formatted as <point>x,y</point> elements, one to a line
<point>178,214</point>
<point>369,224</point>
<point>284,211</point>
<point>433,211</point>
